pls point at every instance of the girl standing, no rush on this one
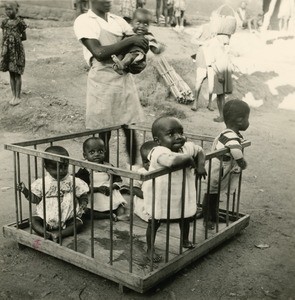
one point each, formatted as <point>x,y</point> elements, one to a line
<point>12,53</point>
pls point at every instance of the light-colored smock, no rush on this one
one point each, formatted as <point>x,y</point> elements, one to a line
<point>111,98</point>
<point>51,199</point>
<point>230,171</point>
<point>216,52</point>
<point>102,202</point>
<point>161,186</point>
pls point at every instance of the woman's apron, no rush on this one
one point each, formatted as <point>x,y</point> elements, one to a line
<point>111,99</point>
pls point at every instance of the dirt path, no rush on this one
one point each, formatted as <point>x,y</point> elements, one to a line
<point>53,102</point>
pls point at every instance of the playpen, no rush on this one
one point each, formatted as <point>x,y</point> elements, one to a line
<point>117,250</point>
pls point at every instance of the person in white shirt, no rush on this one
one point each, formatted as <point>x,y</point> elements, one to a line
<point>111,98</point>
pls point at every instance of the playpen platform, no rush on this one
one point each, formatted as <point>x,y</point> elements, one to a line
<point>117,250</point>
<point>141,279</point>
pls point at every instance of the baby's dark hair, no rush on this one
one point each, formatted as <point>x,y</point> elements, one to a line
<point>146,147</point>
<point>235,109</point>
<point>55,150</point>
<point>12,3</point>
<point>144,12</point>
<point>93,138</point>
<point>158,122</point>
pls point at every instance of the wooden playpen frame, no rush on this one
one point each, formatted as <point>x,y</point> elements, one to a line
<point>21,230</point>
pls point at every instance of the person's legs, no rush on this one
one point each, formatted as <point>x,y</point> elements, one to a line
<point>220,104</point>
<point>18,87</point>
<point>158,10</point>
<point>181,21</point>
<point>210,76</point>
<point>121,213</point>
<point>165,11</point>
<point>131,148</point>
<point>105,136</point>
<point>13,87</point>
<point>150,239</point>
<point>184,231</point>
<point>38,227</point>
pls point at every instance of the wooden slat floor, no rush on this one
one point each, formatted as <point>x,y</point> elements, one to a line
<point>121,243</point>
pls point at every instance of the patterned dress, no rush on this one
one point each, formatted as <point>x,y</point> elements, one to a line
<point>12,53</point>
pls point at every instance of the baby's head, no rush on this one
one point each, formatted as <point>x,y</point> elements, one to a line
<point>11,9</point>
<point>141,21</point>
<point>94,150</point>
<point>51,165</point>
<point>236,114</point>
<point>168,132</point>
<point>243,4</point>
<point>145,149</point>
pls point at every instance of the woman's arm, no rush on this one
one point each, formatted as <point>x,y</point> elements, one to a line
<point>102,53</point>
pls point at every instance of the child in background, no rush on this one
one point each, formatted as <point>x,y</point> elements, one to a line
<point>136,55</point>
<point>172,151</point>
<point>236,117</point>
<point>202,70</point>
<point>179,9</point>
<point>51,199</point>
<point>216,52</point>
<point>140,3</point>
<point>94,151</point>
<point>12,53</point>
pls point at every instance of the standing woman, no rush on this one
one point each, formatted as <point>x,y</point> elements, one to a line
<point>111,98</point>
<point>12,52</point>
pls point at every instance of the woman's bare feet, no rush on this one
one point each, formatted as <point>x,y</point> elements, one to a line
<point>14,101</point>
<point>209,107</point>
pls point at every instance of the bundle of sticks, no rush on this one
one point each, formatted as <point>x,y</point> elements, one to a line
<point>178,87</point>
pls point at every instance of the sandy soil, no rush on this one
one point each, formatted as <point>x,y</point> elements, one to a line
<point>53,102</point>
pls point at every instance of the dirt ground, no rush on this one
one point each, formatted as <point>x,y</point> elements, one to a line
<point>53,102</point>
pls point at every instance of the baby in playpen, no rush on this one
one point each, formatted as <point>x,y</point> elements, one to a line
<point>139,210</point>
<point>172,150</point>
<point>236,117</point>
<point>136,55</point>
<point>52,223</point>
<point>94,151</point>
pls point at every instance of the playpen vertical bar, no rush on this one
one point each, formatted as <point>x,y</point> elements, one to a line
<point>75,208</point>
<point>239,196</point>
<point>91,214</point>
<point>182,209</point>
<point>111,220</point>
<point>153,224</point>
<point>19,192</point>
<point>233,204</point>
<point>51,144</point>
<point>131,225</point>
<point>30,199</point>
<point>218,193</point>
<point>118,147</point>
<point>200,183</point>
<point>195,218</point>
<point>144,136</point>
<point>227,199</point>
<point>43,196</point>
<point>168,218</point>
<point>35,164</point>
<point>15,188</point>
<point>207,206</point>
<point>131,148</point>
<point>59,202</point>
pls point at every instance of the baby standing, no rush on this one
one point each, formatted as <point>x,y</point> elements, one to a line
<point>52,198</point>
<point>236,117</point>
<point>12,53</point>
<point>172,151</point>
